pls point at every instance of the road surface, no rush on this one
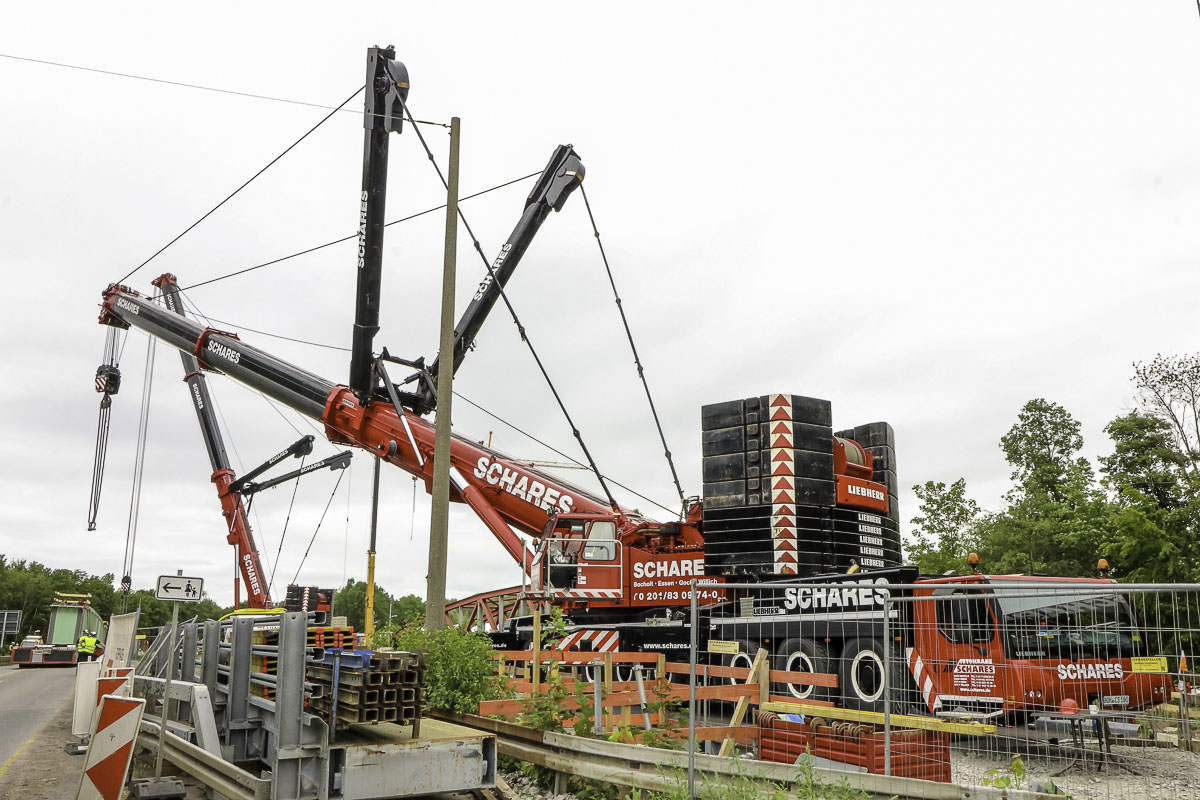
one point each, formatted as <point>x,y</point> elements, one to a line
<point>28,698</point>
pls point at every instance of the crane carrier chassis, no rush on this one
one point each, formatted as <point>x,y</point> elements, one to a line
<point>789,549</point>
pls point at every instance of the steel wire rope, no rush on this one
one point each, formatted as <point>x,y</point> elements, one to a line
<point>241,468</point>
<point>286,520</point>
<point>249,180</point>
<point>196,310</point>
<point>100,459</point>
<point>345,239</point>
<point>328,503</point>
<point>636,358</point>
<point>201,87</point>
<point>520,328</point>
<point>492,414</point>
<point>556,451</point>
<point>346,533</point>
<point>135,499</point>
<point>412,517</point>
<point>250,509</point>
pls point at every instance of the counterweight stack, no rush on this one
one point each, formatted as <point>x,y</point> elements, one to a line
<point>784,496</point>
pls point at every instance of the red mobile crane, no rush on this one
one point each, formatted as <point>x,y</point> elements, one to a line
<point>589,554</point>
<point>772,466</point>
<point>230,489</point>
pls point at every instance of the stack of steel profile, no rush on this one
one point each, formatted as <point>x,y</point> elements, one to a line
<point>334,637</point>
<point>773,501</point>
<point>371,686</point>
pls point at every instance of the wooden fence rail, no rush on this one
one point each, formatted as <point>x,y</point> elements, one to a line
<point>746,686</point>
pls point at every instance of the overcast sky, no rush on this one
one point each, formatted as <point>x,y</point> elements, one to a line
<point>928,213</point>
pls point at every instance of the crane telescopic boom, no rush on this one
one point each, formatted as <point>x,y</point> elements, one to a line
<point>504,493</point>
<point>238,532</point>
<point>562,175</point>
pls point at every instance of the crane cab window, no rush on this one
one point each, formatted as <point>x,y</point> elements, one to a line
<point>963,616</point>
<point>601,541</point>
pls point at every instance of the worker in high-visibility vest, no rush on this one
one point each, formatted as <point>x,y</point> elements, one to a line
<point>86,646</point>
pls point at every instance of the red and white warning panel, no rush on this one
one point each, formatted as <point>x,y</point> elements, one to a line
<point>111,748</point>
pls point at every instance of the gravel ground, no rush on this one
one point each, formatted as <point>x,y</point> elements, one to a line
<point>1161,774</point>
<point>1157,774</point>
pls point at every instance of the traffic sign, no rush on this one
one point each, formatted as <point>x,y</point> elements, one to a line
<point>178,588</point>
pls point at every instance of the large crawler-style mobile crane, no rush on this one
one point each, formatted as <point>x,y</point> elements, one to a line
<point>778,482</point>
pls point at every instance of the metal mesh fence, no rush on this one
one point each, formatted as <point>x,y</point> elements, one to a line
<point>1083,686</point>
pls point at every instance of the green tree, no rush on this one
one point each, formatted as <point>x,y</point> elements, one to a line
<point>1169,388</point>
<point>351,602</point>
<point>29,587</point>
<point>947,528</point>
<point>1155,505</point>
<point>1056,520</point>
<point>1042,449</point>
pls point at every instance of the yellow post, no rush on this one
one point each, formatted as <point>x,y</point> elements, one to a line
<point>369,611</point>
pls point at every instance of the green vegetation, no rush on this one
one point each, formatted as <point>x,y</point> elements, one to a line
<point>461,668</point>
<point>390,612</point>
<point>29,587</point>
<point>1141,513</point>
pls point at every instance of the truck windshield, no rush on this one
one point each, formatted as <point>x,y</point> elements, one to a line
<point>1068,625</point>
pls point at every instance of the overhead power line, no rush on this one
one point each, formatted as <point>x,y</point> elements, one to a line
<point>230,196</point>
<point>353,235</point>
<point>200,87</point>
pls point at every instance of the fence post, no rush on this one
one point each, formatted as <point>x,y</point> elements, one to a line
<point>608,681</point>
<point>887,693</point>
<point>537,650</point>
<point>764,682</point>
<point>637,675</point>
<point>598,713</point>
<point>695,644</point>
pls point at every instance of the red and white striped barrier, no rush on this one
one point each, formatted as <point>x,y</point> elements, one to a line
<point>602,641</point>
<point>111,748</point>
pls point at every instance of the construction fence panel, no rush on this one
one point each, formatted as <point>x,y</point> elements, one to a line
<point>1078,686</point>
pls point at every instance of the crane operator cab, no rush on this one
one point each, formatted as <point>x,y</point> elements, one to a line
<point>580,556</point>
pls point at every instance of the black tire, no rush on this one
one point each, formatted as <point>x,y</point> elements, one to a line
<point>803,655</point>
<point>861,674</point>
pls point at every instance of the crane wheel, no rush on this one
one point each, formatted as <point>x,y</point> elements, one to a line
<point>803,655</point>
<point>862,675</point>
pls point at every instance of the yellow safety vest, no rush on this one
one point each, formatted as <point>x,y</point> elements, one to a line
<point>87,644</point>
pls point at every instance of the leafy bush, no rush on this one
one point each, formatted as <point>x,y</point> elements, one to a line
<point>461,668</point>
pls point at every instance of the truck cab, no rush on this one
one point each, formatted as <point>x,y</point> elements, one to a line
<point>983,645</point>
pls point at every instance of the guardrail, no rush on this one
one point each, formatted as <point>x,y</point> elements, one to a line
<point>227,778</point>
<point>659,770</point>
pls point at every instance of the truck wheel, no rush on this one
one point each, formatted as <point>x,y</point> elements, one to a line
<point>804,655</point>
<point>861,674</point>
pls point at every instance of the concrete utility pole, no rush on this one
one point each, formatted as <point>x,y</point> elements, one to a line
<point>439,524</point>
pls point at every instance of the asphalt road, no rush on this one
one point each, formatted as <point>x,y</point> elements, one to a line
<point>28,697</point>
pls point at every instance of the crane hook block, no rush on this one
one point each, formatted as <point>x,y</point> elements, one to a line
<point>108,379</point>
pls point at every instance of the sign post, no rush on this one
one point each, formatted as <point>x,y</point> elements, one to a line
<point>10,624</point>
<point>177,589</point>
